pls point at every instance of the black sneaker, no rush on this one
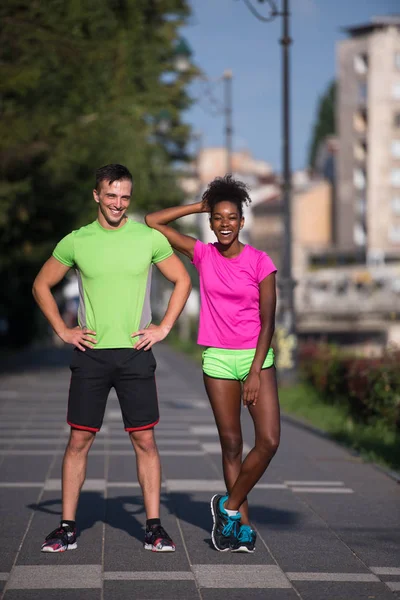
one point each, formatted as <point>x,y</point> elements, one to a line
<point>157,539</point>
<point>246,540</point>
<point>225,528</point>
<point>60,540</point>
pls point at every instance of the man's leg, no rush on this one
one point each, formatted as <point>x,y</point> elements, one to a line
<point>89,388</point>
<point>148,470</point>
<point>149,475</point>
<point>74,470</point>
<point>137,393</point>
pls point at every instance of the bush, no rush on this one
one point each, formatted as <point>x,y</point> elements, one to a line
<point>368,387</point>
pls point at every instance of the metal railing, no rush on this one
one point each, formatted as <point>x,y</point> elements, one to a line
<point>372,291</point>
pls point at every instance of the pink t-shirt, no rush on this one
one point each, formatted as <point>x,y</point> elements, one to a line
<point>230,296</point>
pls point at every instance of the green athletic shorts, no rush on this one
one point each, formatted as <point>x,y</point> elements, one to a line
<point>231,364</point>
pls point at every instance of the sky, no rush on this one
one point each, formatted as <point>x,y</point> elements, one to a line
<point>223,34</point>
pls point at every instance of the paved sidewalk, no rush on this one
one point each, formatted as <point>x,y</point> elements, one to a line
<point>328,525</point>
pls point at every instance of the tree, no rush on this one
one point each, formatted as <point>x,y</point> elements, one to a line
<point>82,84</point>
<point>325,121</point>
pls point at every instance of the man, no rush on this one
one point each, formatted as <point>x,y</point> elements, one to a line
<point>112,257</point>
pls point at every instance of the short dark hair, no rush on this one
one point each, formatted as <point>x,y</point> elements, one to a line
<point>227,189</point>
<point>111,173</point>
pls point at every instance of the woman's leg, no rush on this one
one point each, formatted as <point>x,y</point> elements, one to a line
<point>266,418</point>
<point>225,400</point>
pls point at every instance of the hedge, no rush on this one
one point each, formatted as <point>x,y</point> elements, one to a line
<point>368,387</point>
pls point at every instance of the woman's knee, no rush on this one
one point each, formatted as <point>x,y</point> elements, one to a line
<point>268,444</point>
<point>232,445</point>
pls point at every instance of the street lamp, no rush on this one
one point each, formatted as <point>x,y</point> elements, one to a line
<point>163,122</point>
<point>286,334</point>
<point>182,54</point>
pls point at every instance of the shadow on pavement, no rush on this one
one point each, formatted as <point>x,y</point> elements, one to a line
<point>120,512</point>
<point>34,359</point>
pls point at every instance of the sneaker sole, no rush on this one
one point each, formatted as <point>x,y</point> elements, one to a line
<point>212,532</point>
<point>154,549</point>
<point>243,549</point>
<point>62,549</point>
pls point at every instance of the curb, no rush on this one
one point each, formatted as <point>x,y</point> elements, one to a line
<point>395,475</point>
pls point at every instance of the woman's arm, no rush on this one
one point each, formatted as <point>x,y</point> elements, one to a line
<point>179,241</point>
<point>267,314</point>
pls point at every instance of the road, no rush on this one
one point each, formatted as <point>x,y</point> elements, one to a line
<point>328,524</point>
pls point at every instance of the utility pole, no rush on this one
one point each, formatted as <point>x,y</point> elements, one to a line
<point>287,308</point>
<point>286,336</point>
<point>227,77</point>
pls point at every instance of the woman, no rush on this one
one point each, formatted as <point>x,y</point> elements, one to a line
<point>237,316</point>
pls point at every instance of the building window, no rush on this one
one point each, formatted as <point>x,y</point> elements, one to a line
<point>394,234</point>
<point>361,64</point>
<point>359,179</point>
<point>397,60</point>
<point>359,234</point>
<point>396,205</point>
<point>396,91</point>
<point>396,120</point>
<point>360,121</point>
<point>361,206</point>
<point>360,151</point>
<point>362,91</point>
<point>395,177</point>
<point>396,148</point>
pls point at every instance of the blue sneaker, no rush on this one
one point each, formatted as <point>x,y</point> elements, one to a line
<point>225,528</point>
<point>246,540</point>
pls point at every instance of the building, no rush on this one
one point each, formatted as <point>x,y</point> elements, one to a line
<point>325,168</point>
<point>368,117</point>
<point>311,223</point>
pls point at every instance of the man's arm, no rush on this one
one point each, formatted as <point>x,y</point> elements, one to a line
<point>173,269</point>
<point>52,272</point>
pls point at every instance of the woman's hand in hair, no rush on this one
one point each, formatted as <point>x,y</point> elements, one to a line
<point>204,206</point>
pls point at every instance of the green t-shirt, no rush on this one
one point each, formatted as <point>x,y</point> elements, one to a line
<point>114,276</point>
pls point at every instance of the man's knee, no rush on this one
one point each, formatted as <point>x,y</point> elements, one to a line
<point>144,441</point>
<point>80,441</point>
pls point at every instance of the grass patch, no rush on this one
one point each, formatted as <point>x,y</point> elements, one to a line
<point>375,442</point>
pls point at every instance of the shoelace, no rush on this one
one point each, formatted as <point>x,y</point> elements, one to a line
<point>60,532</point>
<point>231,524</point>
<point>245,534</point>
<point>159,532</point>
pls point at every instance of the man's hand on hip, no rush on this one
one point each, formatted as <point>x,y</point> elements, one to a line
<point>80,337</point>
<point>150,336</point>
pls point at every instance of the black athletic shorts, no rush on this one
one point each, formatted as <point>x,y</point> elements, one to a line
<point>129,371</point>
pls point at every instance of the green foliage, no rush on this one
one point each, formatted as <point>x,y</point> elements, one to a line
<point>82,83</point>
<point>325,121</point>
<point>369,388</point>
